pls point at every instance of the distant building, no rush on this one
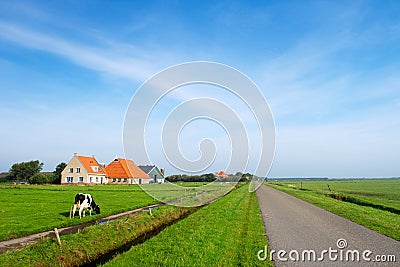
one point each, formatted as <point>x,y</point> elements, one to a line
<point>125,171</point>
<point>4,175</point>
<point>154,172</point>
<point>83,170</point>
<point>222,174</point>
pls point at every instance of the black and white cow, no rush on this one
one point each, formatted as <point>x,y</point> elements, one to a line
<point>85,202</point>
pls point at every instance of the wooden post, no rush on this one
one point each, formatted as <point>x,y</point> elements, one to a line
<point>70,212</point>
<point>58,236</point>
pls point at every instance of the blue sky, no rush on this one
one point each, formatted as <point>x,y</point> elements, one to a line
<point>330,71</point>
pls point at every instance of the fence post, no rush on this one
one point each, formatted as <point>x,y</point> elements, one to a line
<point>58,236</point>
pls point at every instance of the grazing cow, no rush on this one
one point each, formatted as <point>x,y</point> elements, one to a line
<point>85,202</point>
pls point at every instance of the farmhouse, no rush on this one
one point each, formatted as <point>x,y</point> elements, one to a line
<point>84,170</point>
<point>154,172</point>
<point>125,171</point>
<point>222,174</point>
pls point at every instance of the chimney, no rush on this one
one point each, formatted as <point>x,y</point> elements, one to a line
<point>162,171</point>
<point>75,154</point>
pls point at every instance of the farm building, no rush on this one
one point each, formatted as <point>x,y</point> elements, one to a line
<point>154,172</point>
<point>125,171</point>
<point>84,170</point>
<point>222,174</point>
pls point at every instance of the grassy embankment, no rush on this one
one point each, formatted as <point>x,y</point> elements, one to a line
<point>32,209</point>
<point>228,232</point>
<point>372,203</point>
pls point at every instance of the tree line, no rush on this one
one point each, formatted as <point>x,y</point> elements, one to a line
<point>209,177</point>
<point>30,172</point>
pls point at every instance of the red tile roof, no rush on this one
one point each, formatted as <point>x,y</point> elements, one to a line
<point>89,162</point>
<point>222,174</point>
<point>124,168</point>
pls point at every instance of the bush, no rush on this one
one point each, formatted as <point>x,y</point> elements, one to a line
<point>43,178</point>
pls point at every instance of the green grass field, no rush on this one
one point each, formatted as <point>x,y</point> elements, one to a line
<point>190,194</point>
<point>368,201</point>
<point>28,209</point>
<point>228,232</point>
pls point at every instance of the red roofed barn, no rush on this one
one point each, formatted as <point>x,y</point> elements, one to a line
<point>126,171</point>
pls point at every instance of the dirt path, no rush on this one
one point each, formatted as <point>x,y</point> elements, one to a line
<point>292,224</point>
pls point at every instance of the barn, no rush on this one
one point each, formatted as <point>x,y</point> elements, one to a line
<point>125,171</point>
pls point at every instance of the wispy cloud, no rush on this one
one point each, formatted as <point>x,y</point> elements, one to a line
<point>107,61</point>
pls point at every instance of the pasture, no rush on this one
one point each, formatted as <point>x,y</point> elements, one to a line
<point>372,203</point>
<point>27,209</point>
<point>228,232</point>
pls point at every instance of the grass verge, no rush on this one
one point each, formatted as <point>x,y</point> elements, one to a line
<point>228,232</point>
<point>382,221</point>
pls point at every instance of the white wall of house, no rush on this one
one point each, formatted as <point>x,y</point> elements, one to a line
<point>129,180</point>
<point>74,173</point>
<point>156,176</point>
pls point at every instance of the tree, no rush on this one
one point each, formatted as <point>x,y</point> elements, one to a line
<point>57,172</point>
<point>25,170</point>
<point>246,177</point>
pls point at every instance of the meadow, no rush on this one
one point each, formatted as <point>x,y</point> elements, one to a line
<point>372,203</point>
<point>228,232</point>
<point>27,209</point>
<point>189,194</point>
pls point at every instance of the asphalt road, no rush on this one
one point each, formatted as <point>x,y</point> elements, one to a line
<point>294,226</point>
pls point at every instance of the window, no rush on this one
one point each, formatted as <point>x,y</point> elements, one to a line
<point>119,179</point>
<point>95,168</point>
<point>114,180</point>
<point>78,170</point>
<point>91,179</point>
<point>97,179</point>
<point>70,179</point>
<point>125,180</point>
<point>80,179</point>
<point>71,170</point>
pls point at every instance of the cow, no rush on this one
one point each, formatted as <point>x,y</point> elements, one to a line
<point>85,202</point>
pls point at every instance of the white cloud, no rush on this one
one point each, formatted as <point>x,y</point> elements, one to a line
<point>107,60</point>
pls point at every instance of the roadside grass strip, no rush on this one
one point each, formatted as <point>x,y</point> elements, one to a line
<point>29,209</point>
<point>382,221</point>
<point>228,232</point>
<point>96,243</point>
